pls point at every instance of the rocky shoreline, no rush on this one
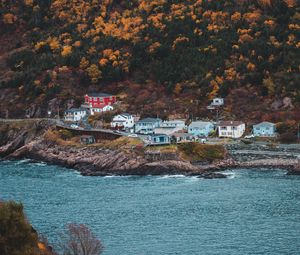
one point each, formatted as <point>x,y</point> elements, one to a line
<point>97,161</point>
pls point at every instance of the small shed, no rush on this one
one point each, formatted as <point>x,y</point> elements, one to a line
<point>183,138</point>
<point>159,139</point>
<point>87,139</point>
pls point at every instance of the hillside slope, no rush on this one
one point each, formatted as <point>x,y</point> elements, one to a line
<point>161,57</point>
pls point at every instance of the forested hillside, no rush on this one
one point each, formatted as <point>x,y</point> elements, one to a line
<point>163,56</point>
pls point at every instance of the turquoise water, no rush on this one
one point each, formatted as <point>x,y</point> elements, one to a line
<point>251,212</point>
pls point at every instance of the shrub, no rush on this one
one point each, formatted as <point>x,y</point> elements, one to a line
<point>17,237</point>
<point>288,137</point>
<point>65,134</point>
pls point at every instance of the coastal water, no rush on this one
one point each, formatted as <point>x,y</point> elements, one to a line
<point>250,212</point>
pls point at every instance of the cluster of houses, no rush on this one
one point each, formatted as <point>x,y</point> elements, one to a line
<point>156,131</point>
<point>93,103</point>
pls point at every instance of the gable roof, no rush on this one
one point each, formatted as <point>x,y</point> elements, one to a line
<point>174,122</point>
<point>95,94</point>
<point>123,115</point>
<point>230,123</point>
<point>264,124</point>
<point>159,135</point>
<point>201,124</point>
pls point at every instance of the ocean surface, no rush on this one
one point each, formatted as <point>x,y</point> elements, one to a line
<point>250,212</point>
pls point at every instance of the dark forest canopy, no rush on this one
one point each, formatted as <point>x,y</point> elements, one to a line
<point>208,47</point>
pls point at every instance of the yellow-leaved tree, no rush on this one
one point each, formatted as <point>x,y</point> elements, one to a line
<point>94,73</point>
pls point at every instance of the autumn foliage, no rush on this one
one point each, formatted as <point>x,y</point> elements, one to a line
<point>210,47</point>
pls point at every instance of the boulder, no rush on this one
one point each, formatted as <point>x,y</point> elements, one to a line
<point>212,175</point>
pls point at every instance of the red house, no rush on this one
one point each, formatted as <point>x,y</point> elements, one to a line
<point>99,102</point>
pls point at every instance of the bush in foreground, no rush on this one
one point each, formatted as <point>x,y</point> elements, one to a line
<point>17,237</point>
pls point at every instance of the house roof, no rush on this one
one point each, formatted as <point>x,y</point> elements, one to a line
<point>174,121</point>
<point>149,120</point>
<point>95,94</point>
<point>200,124</point>
<point>181,134</point>
<point>264,123</point>
<point>158,135</point>
<point>125,114</point>
<point>230,123</point>
<point>166,128</point>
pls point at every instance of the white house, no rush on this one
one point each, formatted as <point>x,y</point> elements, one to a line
<point>218,101</point>
<point>231,129</point>
<point>75,114</point>
<point>106,108</point>
<point>169,127</point>
<point>123,120</point>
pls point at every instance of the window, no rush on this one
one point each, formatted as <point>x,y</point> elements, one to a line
<point>223,128</point>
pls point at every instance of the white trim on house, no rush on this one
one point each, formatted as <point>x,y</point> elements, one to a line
<point>75,114</point>
<point>231,129</point>
<point>124,120</point>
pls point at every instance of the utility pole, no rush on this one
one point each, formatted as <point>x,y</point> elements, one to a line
<point>58,112</point>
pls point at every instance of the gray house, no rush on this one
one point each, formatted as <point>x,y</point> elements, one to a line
<point>264,129</point>
<point>200,128</point>
<point>146,126</point>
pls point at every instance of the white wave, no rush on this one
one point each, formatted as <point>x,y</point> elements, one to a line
<point>111,176</point>
<point>172,176</point>
<point>230,174</point>
<point>23,161</point>
<point>40,164</point>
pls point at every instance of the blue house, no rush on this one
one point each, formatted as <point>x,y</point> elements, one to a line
<point>200,128</point>
<point>264,129</point>
<point>146,126</point>
<point>159,139</point>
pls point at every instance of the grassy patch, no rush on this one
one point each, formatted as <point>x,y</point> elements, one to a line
<point>123,142</point>
<point>201,152</point>
<point>172,148</point>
